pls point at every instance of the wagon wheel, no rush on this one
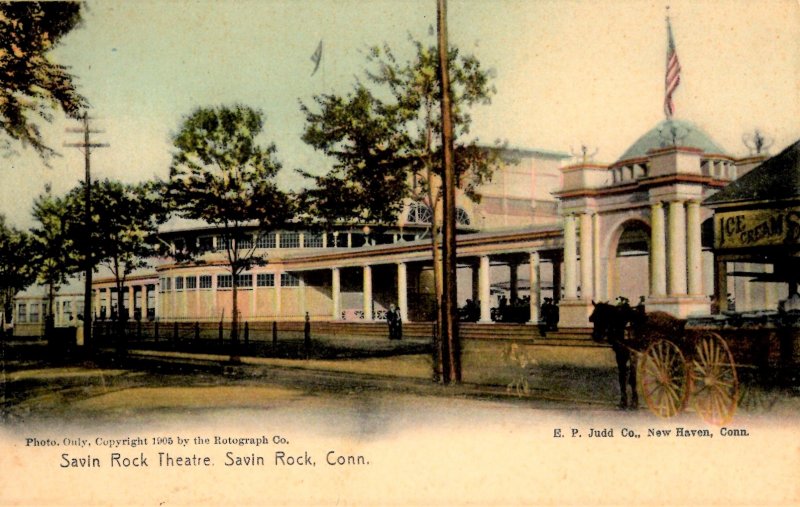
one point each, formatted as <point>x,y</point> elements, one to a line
<point>715,387</point>
<point>664,378</point>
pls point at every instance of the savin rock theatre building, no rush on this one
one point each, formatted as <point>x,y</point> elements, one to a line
<point>544,227</point>
<point>549,226</point>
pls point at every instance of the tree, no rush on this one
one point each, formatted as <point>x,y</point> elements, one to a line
<point>125,219</point>
<point>385,138</point>
<point>32,83</point>
<point>221,175</point>
<point>55,251</point>
<point>17,271</point>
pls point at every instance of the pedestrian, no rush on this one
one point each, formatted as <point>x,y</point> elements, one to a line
<point>398,325</point>
<point>307,336</point>
<point>391,320</point>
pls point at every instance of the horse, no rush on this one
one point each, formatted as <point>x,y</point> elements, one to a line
<point>610,324</point>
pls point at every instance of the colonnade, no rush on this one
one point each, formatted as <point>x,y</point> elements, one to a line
<point>137,299</point>
<point>481,287</point>
<point>675,249</point>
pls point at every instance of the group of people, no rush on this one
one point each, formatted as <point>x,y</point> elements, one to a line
<point>395,323</point>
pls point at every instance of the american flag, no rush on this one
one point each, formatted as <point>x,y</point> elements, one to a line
<point>673,76</point>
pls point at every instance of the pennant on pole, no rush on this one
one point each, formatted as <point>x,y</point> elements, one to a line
<point>317,58</point>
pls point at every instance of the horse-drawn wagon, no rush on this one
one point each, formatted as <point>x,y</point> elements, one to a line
<point>681,363</point>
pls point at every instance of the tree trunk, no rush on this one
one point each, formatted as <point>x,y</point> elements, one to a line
<point>50,320</point>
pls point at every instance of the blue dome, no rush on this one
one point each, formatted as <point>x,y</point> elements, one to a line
<point>672,133</point>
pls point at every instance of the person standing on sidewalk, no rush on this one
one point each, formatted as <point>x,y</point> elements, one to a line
<point>391,321</point>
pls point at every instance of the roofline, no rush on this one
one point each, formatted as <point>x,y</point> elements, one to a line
<point>642,184</point>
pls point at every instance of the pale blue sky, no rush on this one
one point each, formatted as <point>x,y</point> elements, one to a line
<point>567,73</point>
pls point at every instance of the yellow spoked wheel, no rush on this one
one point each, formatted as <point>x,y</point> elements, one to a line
<point>664,378</point>
<point>715,387</point>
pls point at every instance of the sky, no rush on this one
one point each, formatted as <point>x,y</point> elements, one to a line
<point>567,74</point>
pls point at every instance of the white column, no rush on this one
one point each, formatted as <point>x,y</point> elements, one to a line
<point>129,309</point>
<point>402,290</point>
<point>483,274</point>
<point>367,293</point>
<point>658,266</point>
<point>535,287</point>
<point>677,248</point>
<point>570,258</point>
<point>598,289</point>
<point>97,304</point>
<point>156,301</point>
<point>277,294</point>
<point>694,249</point>
<point>336,286</point>
<point>587,255</point>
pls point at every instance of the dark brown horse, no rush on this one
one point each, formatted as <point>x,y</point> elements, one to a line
<point>629,330</point>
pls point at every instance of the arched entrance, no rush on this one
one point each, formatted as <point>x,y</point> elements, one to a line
<point>629,269</point>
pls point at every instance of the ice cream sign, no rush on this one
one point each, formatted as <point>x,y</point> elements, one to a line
<point>754,228</point>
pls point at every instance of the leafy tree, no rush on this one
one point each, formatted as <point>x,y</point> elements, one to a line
<point>221,175</point>
<point>32,83</point>
<point>385,138</point>
<point>55,251</point>
<point>17,270</point>
<point>125,219</point>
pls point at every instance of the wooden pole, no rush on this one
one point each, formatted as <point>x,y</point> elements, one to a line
<point>451,348</point>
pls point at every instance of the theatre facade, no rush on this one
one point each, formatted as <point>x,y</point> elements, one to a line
<point>547,226</point>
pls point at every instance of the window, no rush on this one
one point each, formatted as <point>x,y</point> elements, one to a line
<point>191,282</point>
<point>66,313</point>
<point>266,240</point>
<point>290,240</point>
<point>165,284</point>
<point>289,280</point>
<point>245,242</point>
<point>178,283</point>
<point>312,240</point>
<point>461,217</point>
<point>336,240</point>
<point>224,281</point>
<point>221,243</point>
<point>265,280</point>
<point>205,243</point>
<point>22,313</point>
<point>418,213</point>
<point>244,280</point>
<point>34,314</point>
<point>205,281</point>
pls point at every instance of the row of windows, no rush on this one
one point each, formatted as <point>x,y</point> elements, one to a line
<point>288,239</point>
<point>29,313</point>
<point>244,281</point>
<point>291,239</point>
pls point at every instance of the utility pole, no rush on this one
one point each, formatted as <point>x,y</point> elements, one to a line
<point>451,347</point>
<point>86,146</point>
